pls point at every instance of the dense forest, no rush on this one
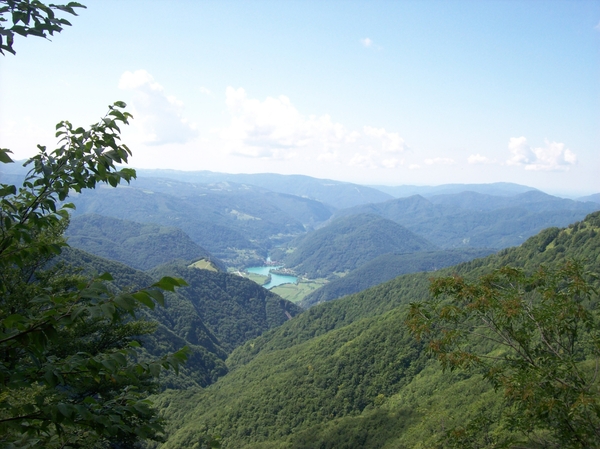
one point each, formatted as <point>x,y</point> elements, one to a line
<point>348,373</point>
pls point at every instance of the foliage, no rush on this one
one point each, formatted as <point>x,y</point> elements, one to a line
<point>545,332</point>
<point>67,343</point>
<point>31,18</point>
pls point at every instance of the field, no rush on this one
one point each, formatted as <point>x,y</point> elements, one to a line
<point>204,264</point>
<point>297,292</point>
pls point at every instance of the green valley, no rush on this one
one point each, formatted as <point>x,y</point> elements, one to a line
<point>349,373</point>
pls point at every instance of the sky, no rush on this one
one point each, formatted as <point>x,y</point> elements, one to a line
<point>371,92</point>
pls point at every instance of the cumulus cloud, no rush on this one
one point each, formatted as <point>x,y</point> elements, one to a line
<point>479,159</point>
<point>366,42</point>
<point>158,115</point>
<point>275,129</point>
<point>552,157</point>
<point>439,161</point>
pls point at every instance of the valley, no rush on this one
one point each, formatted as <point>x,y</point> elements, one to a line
<point>351,225</point>
<point>294,314</point>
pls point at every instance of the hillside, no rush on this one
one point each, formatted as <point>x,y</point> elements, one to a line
<point>348,243</point>
<point>233,223</point>
<point>232,307</point>
<point>347,374</point>
<point>214,314</point>
<point>595,198</point>
<point>388,266</point>
<point>141,246</point>
<point>476,220</point>
<point>334,193</point>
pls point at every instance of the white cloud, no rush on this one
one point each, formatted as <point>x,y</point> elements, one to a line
<point>158,116</point>
<point>275,129</point>
<point>366,42</point>
<point>479,159</point>
<point>597,27</point>
<point>414,166</point>
<point>439,161</point>
<point>552,157</point>
<point>206,91</point>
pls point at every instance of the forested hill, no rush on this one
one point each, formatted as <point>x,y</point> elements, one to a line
<point>217,312</point>
<point>476,220</point>
<point>347,243</point>
<point>234,308</point>
<point>141,246</point>
<point>389,266</point>
<point>347,373</point>
<point>230,222</point>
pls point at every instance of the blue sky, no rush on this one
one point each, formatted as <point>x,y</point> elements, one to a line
<point>379,92</point>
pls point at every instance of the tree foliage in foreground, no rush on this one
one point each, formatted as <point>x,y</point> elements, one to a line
<point>534,337</point>
<point>31,18</point>
<point>67,343</point>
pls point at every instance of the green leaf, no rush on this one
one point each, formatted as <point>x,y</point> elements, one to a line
<point>169,283</point>
<point>4,157</point>
<point>65,409</point>
<point>144,298</point>
<point>106,277</point>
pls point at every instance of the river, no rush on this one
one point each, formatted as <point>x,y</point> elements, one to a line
<point>276,279</point>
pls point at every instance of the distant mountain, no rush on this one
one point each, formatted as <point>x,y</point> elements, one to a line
<point>496,188</point>
<point>595,198</point>
<point>141,246</point>
<point>347,243</point>
<point>309,212</point>
<point>334,193</point>
<point>533,201</point>
<point>388,266</point>
<point>472,220</point>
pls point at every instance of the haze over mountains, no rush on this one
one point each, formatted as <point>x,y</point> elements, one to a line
<point>316,228</point>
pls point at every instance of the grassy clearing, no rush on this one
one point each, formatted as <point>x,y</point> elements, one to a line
<point>258,278</point>
<point>297,292</point>
<point>204,264</point>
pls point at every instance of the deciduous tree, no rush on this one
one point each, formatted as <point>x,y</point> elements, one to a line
<point>535,337</point>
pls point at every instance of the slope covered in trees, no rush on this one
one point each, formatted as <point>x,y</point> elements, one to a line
<point>347,374</point>
<point>389,266</point>
<point>233,222</point>
<point>141,246</point>
<point>348,243</point>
